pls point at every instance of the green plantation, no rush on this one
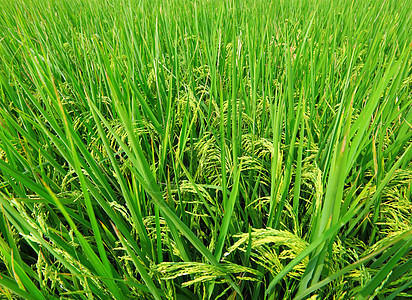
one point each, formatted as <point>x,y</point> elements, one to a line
<point>205,149</point>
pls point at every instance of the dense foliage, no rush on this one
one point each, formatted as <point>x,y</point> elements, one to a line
<point>203,149</point>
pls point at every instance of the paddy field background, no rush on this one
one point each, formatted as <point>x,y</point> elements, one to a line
<point>205,149</point>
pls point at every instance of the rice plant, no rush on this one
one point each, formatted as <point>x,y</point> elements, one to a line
<point>205,149</point>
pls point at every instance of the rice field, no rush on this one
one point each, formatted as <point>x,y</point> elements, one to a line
<point>205,149</point>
